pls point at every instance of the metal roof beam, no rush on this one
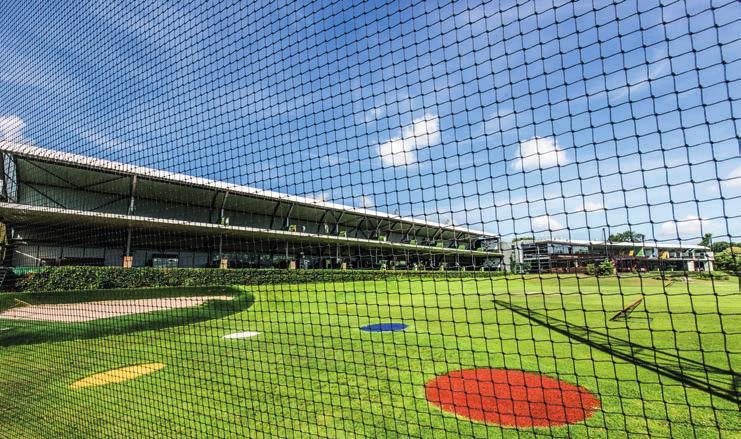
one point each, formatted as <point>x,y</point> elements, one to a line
<point>287,220</point>
<point>45,195</point>
<point>108,203</point>
<point>275,214</point>
<point>212,206</point>
<point>438,232</point>
<point>110,180</point>
<point>322,222</point>
<point>223,207</point>
<point>36,165</point>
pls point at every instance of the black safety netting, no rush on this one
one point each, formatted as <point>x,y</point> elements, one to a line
<point>370,219</point>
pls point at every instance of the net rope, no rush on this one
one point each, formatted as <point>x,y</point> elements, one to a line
<point>370,219</point>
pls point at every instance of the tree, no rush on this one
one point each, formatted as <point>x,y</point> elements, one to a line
<point>604,268</point>
<point>729,260</point>
<point>718,247</point>
<point>707,240</point>
<point>627,236</point>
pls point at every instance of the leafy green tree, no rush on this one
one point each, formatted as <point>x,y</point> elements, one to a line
<point>604,268</point>
<point>718,247</point>
<point>729,260</point>
<point>627,236</point>
<point>707,240</point>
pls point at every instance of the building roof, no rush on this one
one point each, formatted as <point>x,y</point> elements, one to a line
<point>84,162</point>
<point>646,244</point>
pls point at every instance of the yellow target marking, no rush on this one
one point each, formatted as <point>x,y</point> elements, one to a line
<point>117,375</point>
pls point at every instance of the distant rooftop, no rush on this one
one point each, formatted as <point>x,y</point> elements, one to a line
<point>661,244</point>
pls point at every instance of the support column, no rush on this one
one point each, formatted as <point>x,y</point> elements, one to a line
<point>4,192</point>
<point>128,260</point>
<point>223,262</point>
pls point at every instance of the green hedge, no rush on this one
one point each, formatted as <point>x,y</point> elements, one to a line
<point>88,278</point>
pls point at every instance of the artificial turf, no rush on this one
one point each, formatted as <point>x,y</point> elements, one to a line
<point>666,372</point>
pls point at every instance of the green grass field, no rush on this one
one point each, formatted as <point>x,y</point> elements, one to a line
<point>665,372</point>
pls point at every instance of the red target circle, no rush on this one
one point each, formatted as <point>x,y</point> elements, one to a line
<point>511,398</point>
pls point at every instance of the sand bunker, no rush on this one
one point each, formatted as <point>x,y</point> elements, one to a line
<point>87,311</point>
<point>117,375</point>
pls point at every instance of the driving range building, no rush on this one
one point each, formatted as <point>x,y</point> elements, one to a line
<point>66,209</point>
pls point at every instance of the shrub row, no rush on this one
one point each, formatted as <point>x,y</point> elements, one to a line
<point>87,278</point>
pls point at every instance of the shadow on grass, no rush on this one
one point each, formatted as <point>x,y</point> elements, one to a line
<point>713,380</point>
<point>25,332</point>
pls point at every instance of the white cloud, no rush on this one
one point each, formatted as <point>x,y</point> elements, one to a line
<point>401,151</point>
<point>501,120</point>
<point>321,196</point>
<point>540,153</point>
<point>366,201</point>
<point>374,113</point>
<point>11,128</point>
<point>691,226</point>
<point>545,223</point>
<point>643,81</point>
<point>21,70</point>
<point>589,206</point>
<point>105,141</point>
<point>331,159</point>
<point>734,178</point>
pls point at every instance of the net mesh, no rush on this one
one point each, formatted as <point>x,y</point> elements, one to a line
<point>370,219</point>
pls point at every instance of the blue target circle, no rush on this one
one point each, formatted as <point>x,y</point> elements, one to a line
<point>384,327</point>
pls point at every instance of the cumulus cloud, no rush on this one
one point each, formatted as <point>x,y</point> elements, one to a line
<point>690,226</point>
<point>11,128</point>
<point>545,223</point>
<point>540,153</point>
<point>402,150</point>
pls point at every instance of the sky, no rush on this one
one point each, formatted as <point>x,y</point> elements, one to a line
<point>546,118</point>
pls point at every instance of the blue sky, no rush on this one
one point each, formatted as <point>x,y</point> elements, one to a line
<point>547,117</point>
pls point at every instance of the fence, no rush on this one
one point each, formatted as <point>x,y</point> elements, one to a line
<point>370,219</point>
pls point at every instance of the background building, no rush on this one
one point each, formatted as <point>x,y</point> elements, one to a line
<point>66,209</point>
<point>572,256</point>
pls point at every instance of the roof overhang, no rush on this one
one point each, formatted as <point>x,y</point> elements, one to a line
<point>123,169</point>
<point>646,244</point>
